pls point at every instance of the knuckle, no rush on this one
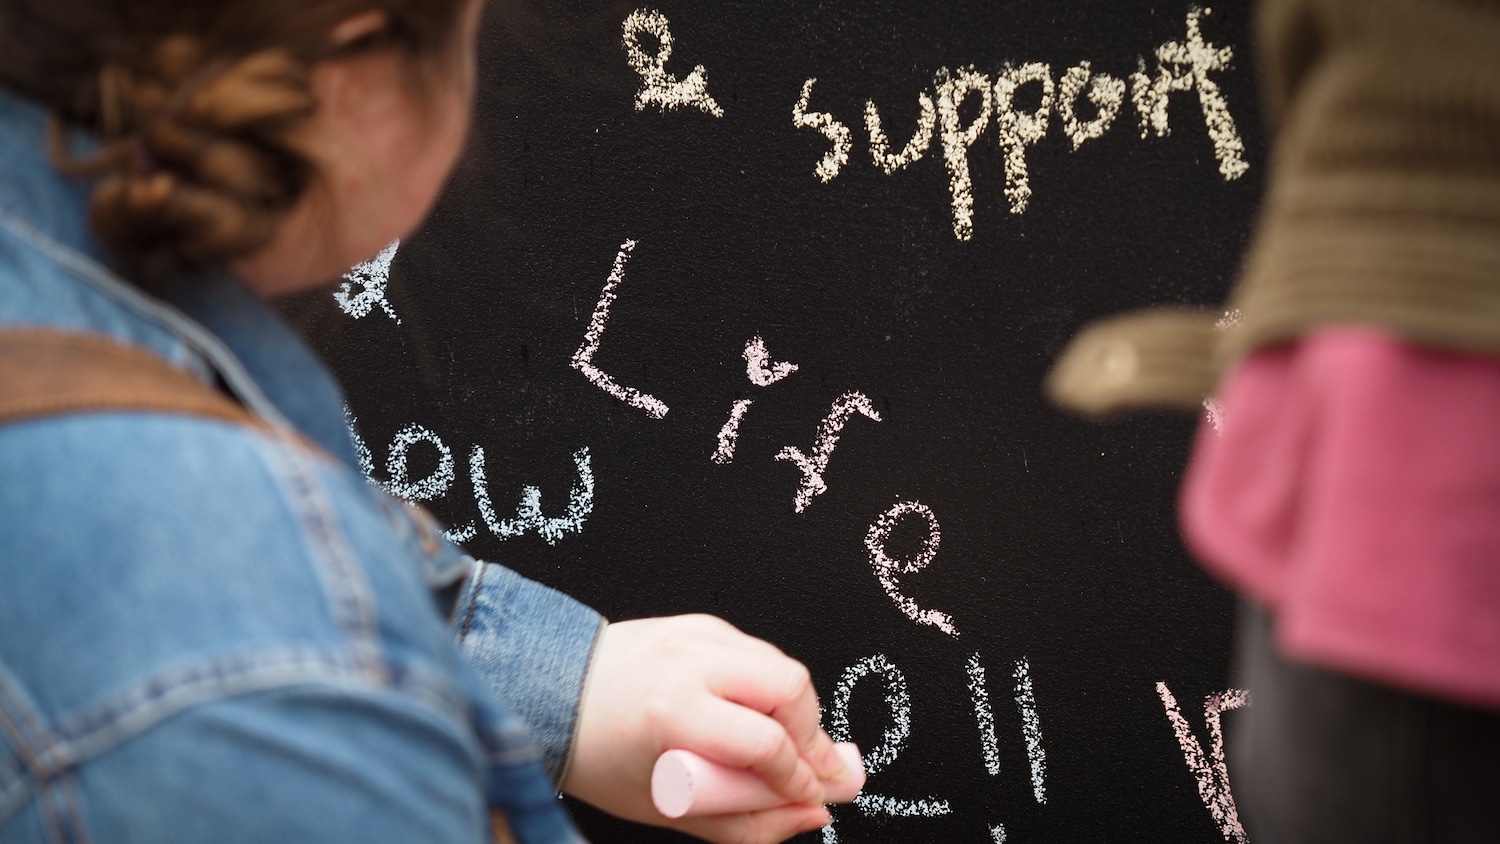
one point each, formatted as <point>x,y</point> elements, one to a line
<point>765,747</point>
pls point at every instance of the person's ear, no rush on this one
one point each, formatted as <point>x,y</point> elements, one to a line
<point>361,27</point>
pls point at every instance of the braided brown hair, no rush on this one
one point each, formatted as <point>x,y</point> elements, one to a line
<point>199,105</point>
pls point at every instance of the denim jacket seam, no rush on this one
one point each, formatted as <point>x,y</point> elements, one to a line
<point>473,599</point>
<point>67,793</point>
<point>28,732</point>
<point>188,333</point>
<point>346,587</point>
<point>508,747</point>
<point>152,700</point>
<point>15,790</point>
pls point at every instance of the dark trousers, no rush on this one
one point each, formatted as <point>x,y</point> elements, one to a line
<point>1323,757</point>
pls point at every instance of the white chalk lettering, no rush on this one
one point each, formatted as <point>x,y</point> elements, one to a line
<point>758,366</point>
<point>1020,130</point>
<point>361,451</point>
<point>833,130</point>
<point>898,701</point>
<point>583,359</point>
<point>887,569</point>
<point>658,87</point>
<point>1105,92</point>
<point>827,440</point>
<point>529,518</point>
<point>1212,776</point>
<point>1181,66</point>
<point>880,147</point>
<point>364,286</point>
<point>985,715</point>
<point>1031,727</point>
<point>875,804</point>
<point>436,484</point>
<point>1185,66</point>
<point>729,435</point>
<point>953,88</point>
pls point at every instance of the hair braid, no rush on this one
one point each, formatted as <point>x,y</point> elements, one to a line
<point>200,109</point>
<point>201,159</point>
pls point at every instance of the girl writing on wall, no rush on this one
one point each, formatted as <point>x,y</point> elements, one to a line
<point>211,628</point>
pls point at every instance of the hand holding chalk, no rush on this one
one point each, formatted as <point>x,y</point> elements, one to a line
<point>684,784</point>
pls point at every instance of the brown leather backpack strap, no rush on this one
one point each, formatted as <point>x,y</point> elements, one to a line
<point>48,372</point>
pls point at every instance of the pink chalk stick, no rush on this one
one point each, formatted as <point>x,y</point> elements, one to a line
<point>684,783</point>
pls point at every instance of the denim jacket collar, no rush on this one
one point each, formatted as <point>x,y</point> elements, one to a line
<point>53,271</point>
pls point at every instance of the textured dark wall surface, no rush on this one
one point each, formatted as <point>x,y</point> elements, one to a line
<point>1059,559</point>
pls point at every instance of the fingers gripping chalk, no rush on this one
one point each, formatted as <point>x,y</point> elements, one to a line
<point>685,784</point>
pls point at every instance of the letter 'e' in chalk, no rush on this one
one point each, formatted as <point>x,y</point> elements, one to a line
<point>684,783</point>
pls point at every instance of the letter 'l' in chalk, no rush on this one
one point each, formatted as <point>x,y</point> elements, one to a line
<point>685,784</point>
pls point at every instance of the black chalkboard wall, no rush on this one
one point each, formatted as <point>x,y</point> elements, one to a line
<point>988,591</point>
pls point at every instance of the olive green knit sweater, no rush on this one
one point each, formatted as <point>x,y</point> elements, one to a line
<point>1383,207</point>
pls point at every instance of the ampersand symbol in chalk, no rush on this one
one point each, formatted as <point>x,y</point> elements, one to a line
<point>658,87</point>
<point>887,569</point>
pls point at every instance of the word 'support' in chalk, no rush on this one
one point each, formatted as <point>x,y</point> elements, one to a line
<point>684,783</point>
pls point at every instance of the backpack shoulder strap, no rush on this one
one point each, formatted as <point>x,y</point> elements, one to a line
<point>51,372</point>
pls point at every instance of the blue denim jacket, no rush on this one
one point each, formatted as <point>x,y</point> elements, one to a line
<point>209,634</point>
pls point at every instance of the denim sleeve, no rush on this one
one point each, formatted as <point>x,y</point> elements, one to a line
<point>531,645</point>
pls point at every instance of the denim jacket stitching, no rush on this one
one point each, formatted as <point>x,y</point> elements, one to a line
<point>189,332</point>
<point>28,733</point>
<point>15,791</point>
<point>473,598</point>
<point>71,810</point>
<point>508,747</point>
<point>46,805</point>
<point>349,592</point>
<point>129,712</point>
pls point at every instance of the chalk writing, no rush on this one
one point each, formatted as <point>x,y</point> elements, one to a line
<point>1105,92</point>
<point>729,435</point>
<point>361,450</point>
<point>583,359</point>
<point>1020,130</point>
<point>830,128</point>
<point>758,366</point>
<point>997,834</point>
<point>953,88</point>
<point>886,569</point>
<point>436,484</point>
<point>880,147</point>
<point>364,286</point>
<point>898,700</point>
<point>658,87</point>
<point>844,409</point>
<point>1213,412</point>
<point>1212,775</point>
<point>1031,727</point>
<point>985,715</point>
<point>1185,66</point>
<point>529,518</point>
